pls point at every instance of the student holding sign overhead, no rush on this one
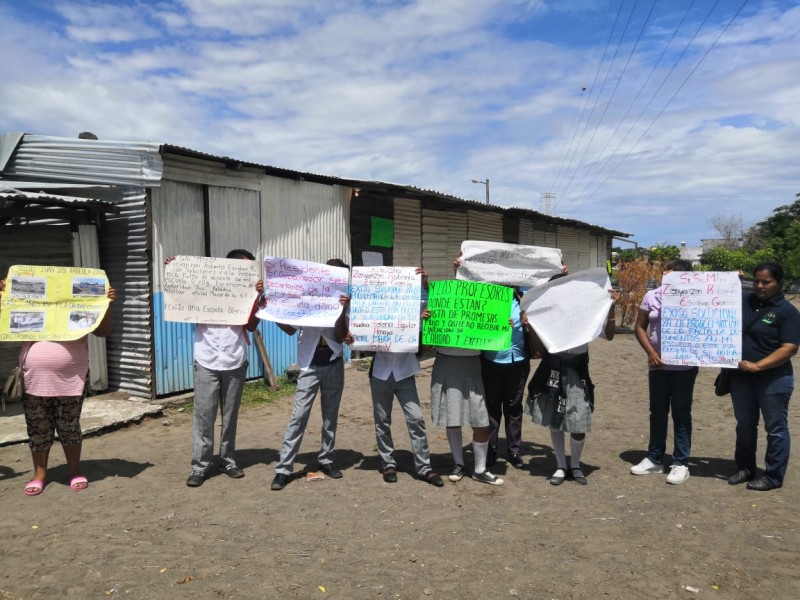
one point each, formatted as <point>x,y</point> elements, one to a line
<point>220,368</point>
<point>55,374</point>
<point>319,356</point>
<point>561,397</point>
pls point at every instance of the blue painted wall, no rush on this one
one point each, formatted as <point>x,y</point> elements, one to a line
<point>174,351</point>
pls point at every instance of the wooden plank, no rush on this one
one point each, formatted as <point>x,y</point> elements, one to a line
<point>269,375</point>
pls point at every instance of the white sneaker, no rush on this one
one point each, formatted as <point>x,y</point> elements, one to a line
<point>677,474</point>
<point>647,466</point>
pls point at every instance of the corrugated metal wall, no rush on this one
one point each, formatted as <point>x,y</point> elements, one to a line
<point>486,226</point>
<point>86,253</point>
<point>526,236</point>
<point>407,233</point>
<point>436,257</point>
<point>124,257</point>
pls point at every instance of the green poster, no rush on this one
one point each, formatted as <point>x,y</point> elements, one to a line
<point>382,232</point>
<point>468,314</point>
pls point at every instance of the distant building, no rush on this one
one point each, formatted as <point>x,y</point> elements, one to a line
<point>691,253</point>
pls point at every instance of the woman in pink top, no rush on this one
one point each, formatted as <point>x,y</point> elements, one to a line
<point>55,374</point>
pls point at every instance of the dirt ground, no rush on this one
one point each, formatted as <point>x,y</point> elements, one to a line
<point>139,532</point>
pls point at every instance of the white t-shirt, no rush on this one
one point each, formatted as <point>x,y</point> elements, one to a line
<point>400,364</point>
<point>220,347</point>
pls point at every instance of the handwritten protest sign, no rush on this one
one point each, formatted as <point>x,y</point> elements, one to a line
<point>302,293</point>
<point>198,289</point>
<point>508,264</point>
<point>570,311</point>
<point>52,303</point>
<point>467,314</point>
<point>384,309</point>
<point>701,319</point>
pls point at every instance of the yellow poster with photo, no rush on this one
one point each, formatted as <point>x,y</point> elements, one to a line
<point>52,303</point>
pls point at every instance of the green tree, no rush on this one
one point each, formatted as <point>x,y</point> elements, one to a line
<point>663,253</point>
<point>781,233</point>
<point>726,259</point>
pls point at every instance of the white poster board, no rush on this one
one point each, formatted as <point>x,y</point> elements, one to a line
<point>219,291</point>
<point>302,293</point>
<point>371,259</point>
<point>701,318</point>
<point>385,308</point>
<point>508,264</point>
<point>569,311</point>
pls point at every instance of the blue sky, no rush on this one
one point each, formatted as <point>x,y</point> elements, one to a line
<point>650,117</point>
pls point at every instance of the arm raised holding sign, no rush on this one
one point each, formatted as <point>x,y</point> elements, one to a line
<point>319,357</point>
<point>561,397</point>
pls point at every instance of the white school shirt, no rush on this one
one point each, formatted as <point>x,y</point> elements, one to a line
<point>307,344</point>
<point>220,347</point>
<point>400,364</point>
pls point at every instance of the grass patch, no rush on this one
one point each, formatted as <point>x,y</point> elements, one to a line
<point>257,393</point>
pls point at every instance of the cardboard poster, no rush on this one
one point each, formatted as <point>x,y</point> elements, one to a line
<point>52,303</point>
<point>302,293</point>
<point>508,264</point>
<point>384,309</point>
<point>218,291</point>
<point>701,318</point>
<point>569,311</point>
<point>468,314</point>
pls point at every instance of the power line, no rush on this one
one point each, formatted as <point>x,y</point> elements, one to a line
<point>613,93</point>
<point>674,94</point>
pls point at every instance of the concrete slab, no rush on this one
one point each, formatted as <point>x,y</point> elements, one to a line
<point>106,411</point>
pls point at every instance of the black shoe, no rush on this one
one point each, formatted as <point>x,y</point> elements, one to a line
<point>740,476</point>
<point>233,472</point>
<point>515,460</point>
<point>762,484</point>
<point>196,479</point>
<point>577,476</point>
<point>389,475</point>
<point>280,482</point>
<point>558,477</point>
<point>457,473</point>
<point>434,479</point>
<point>331,471</point>
<point>491,457</point>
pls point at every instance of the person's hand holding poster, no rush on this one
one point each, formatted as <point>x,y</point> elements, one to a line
<point>508,264</point>
<point>570,311</point>
<point>701,318</point>
<point>218,291</point>
<point>52,303</point>
<point>384,309</point>
<point>467,314</point>
<point>302,293</point>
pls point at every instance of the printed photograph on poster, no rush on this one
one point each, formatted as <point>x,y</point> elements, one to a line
<point>28,287</point>
<point>81,319</point>
<point>26,320</point>
<point>88,286</point>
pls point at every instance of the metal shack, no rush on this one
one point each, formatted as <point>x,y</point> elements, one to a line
<point>172,200</point>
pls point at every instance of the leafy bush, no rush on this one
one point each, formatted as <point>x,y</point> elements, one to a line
<point>634,278</point>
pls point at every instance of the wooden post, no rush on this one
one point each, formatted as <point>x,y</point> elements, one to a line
<point>269,375</point>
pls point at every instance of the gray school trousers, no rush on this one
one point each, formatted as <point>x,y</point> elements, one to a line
<point>329,380</point>
<point>214,389</point>
<point>383,393</point>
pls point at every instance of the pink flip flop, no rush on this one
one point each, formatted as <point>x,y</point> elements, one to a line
<point>34,487</point>
<point>78,483</point>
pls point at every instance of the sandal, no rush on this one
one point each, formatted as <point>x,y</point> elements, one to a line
<point>34,487</point>
<point>78,483</point>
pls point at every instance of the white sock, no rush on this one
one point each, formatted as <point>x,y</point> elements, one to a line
<point>575,449</point>
<point>557,436</point>
<point>456,444</point>
<point>480,449</point>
